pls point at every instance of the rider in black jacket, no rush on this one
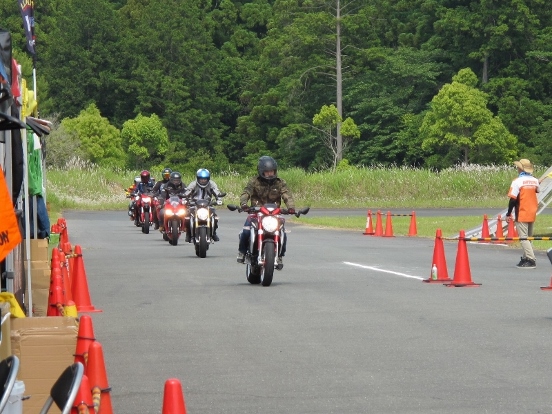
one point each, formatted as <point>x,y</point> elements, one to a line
<point>173,187</point>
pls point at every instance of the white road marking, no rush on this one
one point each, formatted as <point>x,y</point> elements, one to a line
<point>384,271</point>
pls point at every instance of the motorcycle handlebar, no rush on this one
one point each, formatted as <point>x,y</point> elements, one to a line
<point>251,210</point>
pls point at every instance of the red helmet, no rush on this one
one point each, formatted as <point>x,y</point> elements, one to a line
<point>145,176</point>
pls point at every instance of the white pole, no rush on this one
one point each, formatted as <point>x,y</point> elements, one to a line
<point>29,302</point>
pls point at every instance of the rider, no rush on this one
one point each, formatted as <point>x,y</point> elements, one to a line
<point>159,185</point>
<point>130,194</point>
<point>144,186</point>
<point>173,187</point>
<point>265,188</point>
<point>203,188</point>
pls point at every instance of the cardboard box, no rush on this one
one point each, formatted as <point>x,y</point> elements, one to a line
<point>37,265</point>
<point>45,346</point>
<point>40,278</point>
<point>39,249</point>
<point>5,344</point>
<point>40,301</point>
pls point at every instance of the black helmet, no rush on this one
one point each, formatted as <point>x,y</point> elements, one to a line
<point>145,176</point>
<point>176,178</point>
<point>166,174</point>
<point>202,177</point>
<point>265,164</point>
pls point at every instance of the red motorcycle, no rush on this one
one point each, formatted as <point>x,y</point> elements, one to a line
<point>174,212</point>
<point>265,243</point>
<point>143,212</point>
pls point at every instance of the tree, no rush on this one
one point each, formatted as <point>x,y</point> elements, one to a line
<point>326,122</point>
<point>460,122</point>
<point>99,141</point>
<point>145,139</point>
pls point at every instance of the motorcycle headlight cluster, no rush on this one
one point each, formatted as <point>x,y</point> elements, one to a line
<point>270,224</point>
<point>169,213</point>
<point>181,212</point>
<point>146,200</point>
<point>202,213</point>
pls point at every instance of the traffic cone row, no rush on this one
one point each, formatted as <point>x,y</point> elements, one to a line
<point>378,232</point>
<point>68,283</point>
<point>462,271</point>
<point>94,394</point>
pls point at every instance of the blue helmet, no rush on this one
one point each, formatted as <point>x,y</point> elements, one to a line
<point>202,177</point>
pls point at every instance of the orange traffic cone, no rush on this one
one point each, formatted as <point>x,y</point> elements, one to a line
<point>413,230</point>
<point>549,287</point>
<point>485,234</point>
<point>83,401</point>
<point>439,260</point>
<point>511,230</point>
<point>81,295</point>
<point>54,263</point>
<point>499,234</point>
<point>379,227</point>
<point>388,226</point>
<point>462,272</point>
<point>85,337</point>
<point>95,370</point>
<point>369,230</point>
<point>173,398</point>
<point>56,301</point>
<point>65,274</point>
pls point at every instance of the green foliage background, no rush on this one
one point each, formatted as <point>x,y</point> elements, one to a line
<point>231,80</point>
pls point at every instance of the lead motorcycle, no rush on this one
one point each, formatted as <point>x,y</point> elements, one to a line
<point>202,224</point>
<point>174,219</point>
<point>265,243</point>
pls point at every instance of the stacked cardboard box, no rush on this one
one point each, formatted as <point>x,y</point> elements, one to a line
<point>45,347</point>
<point>40,276</point>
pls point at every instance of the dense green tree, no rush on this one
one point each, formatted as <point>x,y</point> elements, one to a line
<point>460,122</point>
<point>145,140</point>
<point>99,141</point>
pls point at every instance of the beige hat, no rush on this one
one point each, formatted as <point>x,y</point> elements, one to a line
<point>524,165</point>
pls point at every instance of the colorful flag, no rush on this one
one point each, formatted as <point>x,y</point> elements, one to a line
<point>10,235</point>
<point>27,12</point>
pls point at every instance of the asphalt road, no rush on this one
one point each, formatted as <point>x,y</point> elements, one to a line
<point>346,327</point>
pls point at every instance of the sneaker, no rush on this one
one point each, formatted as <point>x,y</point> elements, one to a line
<point>241,257</point>
<point>527,264</point>
<point>523,259</point>
<point>279,263</point>
<point>216,237</point>
<point>161,229</point>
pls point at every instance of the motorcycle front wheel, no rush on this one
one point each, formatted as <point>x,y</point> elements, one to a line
<point>267,271</point>
<point>174,233</point>
<point>146,225</point>
<point>203,245</point>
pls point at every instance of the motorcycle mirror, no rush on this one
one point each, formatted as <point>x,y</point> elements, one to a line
<point>222,195</point>
<point>549,254</point>
<point>305,210</point>
<point>231,207</point>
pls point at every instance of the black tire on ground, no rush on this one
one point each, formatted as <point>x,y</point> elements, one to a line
<point>174,233</point>
<point>267,270</point>
<point>203,244</point>
<point>146,225</point>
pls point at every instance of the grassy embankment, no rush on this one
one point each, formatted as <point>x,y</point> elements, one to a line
<point>386,189</point>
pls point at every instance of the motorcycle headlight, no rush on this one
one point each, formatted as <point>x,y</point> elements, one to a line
<point>202,213</point>
<point>169,213</point>
<point>181,212</point>
<point>146,200</point>
<point>270,224</point>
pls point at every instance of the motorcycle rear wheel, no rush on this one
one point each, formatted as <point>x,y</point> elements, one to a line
<point>253,274</point>
<point>267,271</point>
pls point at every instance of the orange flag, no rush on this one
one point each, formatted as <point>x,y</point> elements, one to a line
<point>10,236</point>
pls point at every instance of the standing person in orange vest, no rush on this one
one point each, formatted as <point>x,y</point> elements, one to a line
<point>523,199</point>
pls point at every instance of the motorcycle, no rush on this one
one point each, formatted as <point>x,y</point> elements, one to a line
<point>142,214</point>
<point>265,243</point>
<point>202,224</point>
<point>174,222</point>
